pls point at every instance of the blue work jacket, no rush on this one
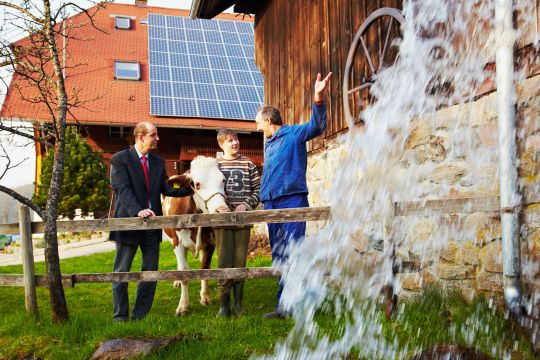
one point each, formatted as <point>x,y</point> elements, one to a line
<point>285,156</point>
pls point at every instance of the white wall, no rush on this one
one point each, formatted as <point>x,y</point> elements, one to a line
<point>20,151</point>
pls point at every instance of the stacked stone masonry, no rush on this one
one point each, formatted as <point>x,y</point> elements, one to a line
<point>449,141</point>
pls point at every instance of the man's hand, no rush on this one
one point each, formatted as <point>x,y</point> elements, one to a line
<point>321,85</point>
<point>241,207</point>
<point>146,213</point>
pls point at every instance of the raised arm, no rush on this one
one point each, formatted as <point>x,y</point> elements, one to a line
<point>317,123</point>
<point>320,86</point>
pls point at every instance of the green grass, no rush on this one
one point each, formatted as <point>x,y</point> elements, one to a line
<point>206,337</point>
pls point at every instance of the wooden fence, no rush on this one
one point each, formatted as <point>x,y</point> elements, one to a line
<point>25,229</point>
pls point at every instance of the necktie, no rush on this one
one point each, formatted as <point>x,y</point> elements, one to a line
<point>145,170</point>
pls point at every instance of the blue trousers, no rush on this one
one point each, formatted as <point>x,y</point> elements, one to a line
<point>281,235</point>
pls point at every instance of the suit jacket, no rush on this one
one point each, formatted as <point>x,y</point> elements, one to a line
<point>129,186</point>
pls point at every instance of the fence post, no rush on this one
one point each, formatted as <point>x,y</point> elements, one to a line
<point>27,253</point>
<point>389,294</point>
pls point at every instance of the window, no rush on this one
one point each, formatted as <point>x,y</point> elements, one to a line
<point>118,132</point>
<point>144,21</point>
<point>127,70</point>
<point>122,22</point>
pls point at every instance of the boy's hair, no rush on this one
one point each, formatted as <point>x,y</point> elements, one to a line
<point>223,134</point>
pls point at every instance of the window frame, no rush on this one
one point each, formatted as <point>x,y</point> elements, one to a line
<point>120,26</point>
<point>120,132</point>
<point>127,77</point>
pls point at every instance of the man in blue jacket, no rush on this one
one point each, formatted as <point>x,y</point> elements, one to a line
<point>283,182</point>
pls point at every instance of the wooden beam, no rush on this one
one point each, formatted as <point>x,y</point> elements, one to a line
<point>203,274</point>
<point>183,221</point>
<point>443,206</point>
<point>448,206</point>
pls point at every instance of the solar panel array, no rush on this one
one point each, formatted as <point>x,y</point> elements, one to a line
<point>202,68</point>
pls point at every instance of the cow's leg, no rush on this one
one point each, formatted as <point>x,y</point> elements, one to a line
<point>206,259</point>
<point>198,242</point>
<point>181,238</point>
<point>180,252</point>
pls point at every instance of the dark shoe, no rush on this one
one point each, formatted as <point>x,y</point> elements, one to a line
<point>277,314</point>
<point>225,305</point>
<point>137,318</point>
<point>238,289</point>
<point>120,319</point>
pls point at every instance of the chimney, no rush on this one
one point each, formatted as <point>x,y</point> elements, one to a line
<point>140,3</point>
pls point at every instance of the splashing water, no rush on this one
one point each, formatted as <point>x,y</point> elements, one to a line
<point>442,56</point>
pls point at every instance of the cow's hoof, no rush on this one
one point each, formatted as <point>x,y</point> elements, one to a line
<point>177,284</point>
<point>180,313</point>
<point>206,302</point>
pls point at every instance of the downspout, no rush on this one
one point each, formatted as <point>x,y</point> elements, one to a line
<point>195,8</point>
<point>509,197</point>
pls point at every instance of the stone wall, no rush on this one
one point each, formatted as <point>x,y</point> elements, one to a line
<point>444,149</point>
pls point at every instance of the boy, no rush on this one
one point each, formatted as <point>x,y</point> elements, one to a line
<point>242,183</point>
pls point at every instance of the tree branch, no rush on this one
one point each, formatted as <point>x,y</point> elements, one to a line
<point>22,11</point>
<point>8,159</point>
<point>22,199</point>
<point>23,134</point>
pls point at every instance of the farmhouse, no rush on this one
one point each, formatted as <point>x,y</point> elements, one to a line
<point>189,77</point>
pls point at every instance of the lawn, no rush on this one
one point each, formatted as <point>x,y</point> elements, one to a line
<point>204,336</point>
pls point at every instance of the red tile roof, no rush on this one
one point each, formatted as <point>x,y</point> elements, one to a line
<point>112,102</point>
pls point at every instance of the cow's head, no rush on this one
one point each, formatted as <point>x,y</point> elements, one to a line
<point>207,182</point>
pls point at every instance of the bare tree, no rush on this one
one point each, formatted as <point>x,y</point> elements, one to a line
<point>35,62</point>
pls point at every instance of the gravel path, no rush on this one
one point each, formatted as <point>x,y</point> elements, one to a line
<point>73,249</point>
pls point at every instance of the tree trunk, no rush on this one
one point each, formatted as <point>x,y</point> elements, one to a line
<point>52,260</point>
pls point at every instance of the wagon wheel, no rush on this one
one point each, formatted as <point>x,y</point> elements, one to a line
<point>365,62</point>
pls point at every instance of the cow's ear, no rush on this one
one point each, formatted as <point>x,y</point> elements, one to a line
<point>179,180</point>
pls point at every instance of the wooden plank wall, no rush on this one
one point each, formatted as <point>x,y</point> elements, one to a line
<point>296,39</point>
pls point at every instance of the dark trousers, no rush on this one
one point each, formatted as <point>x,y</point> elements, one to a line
<point>281,235</point>
<point>232,253</point>
<point>145,290</point>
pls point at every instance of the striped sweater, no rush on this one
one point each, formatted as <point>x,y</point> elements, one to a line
<point>242,182</point>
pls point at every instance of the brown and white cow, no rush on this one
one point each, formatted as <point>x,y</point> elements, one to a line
<point>207,182</point>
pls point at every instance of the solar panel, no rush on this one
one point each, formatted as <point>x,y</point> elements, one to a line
<point>183,90</point>
<point>203,68</point>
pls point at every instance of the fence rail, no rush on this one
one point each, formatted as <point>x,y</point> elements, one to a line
<point>26,228</point>
<point>182,221</point>
<point>405,208</point>
<point>70,280</point>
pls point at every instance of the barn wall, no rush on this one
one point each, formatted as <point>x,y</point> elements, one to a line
<point>296,39</point>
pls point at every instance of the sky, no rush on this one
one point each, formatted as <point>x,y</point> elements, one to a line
<point>24,173</point>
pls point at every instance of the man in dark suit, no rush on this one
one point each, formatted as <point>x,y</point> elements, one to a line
<point>138,179</point>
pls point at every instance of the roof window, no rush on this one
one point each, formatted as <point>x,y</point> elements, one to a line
<point>122,22</point>
<point>127,70</point>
